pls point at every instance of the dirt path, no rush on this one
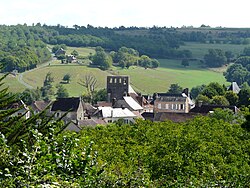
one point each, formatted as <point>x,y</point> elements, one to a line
<point>20,75</point>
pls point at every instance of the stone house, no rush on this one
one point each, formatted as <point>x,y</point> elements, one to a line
<point>60,51</point>
<point>73,106</point>
<point>39,106</point>
<point>177,103</point>
<point>22,109</point>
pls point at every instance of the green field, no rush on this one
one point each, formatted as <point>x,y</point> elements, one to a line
<point>199,49</point>
<point>146,81</point>
<point>11,82</point>
<point>35,78</point>
<point>171,71</point>
<point>84,52</point>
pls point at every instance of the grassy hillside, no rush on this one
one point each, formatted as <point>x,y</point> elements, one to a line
<point>171,71</point>
<point>82,51</point>
<point>143,80</point>
<point>11,82</point>
<point>77,73</point>
<point>199,49</point>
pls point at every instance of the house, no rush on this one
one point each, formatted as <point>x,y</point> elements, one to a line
<point>177,103</point>
<point>109,114</point>
<point>127,102</point>
<point>79,125</point>
<point>70,58</point>
<point>22,109</point>
<point>60,51</point>
<point>39,106</point>
<point>73,106</point>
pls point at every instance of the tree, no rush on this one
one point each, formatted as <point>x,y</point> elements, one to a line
<point>145,61</point>
<point>74,53</point>
<point>155,63</point>
<point>220,90</point>
<point>236,73</point>
<point>101,59</point>
<point>62,92</point>
<point>47,89</point>
<point>232,98</point>
<point>175,89</point>
<point>203,99</point>
<point>244,60</point>
<point>244,96</point>
<point>89,82</point>
<point>30,95</point>
<point>185,62</point>
<point>209,92</point>
<point>219,100</point>
<point>215,58</point>
<point>246,51</point>
<point>100,95</point>
<point>195,91</point>
<point>48,79</point>
<point>229,55</point>
<point>67,77</point>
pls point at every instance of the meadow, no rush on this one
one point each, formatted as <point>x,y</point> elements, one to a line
<point>200,49</point>
<point>84,52</point>
<point>149,81</point>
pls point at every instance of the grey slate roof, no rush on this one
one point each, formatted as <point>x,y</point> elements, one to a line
<point>66,104</point>
<point>234,87</point>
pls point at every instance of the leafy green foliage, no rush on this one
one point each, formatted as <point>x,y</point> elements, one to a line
<point>101,59</point>
<point>62,92</point>
<point>236,73</point>
<point>21,48</point>
<point>215,58</point>
<point>67,78</point>
<point>175,89</point>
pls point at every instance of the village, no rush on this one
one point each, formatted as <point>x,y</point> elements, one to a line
<point>122,104</point>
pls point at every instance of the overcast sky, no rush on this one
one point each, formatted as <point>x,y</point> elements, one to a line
<point>115,13</point>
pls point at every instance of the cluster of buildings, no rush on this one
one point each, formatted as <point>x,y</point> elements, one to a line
<point>122,104</point>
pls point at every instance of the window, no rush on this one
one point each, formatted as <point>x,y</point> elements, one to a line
<point>159,105</point>
<point>126,121</point>
<point>167,106</point>
<point>182,106</point>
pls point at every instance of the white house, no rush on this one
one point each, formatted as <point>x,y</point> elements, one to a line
<point>109,114</point>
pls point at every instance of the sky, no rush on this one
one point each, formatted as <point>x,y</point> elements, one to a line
<point>115,13</point>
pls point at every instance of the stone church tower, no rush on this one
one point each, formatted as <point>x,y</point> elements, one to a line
<point>117,87</point>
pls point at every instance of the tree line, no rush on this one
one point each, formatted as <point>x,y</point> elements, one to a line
<point>21,48</point>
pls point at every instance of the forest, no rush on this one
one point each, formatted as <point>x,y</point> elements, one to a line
<point>23,47</point>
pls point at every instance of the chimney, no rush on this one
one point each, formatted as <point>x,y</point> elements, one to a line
<point>113,101</point>
<point>186,91</point>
